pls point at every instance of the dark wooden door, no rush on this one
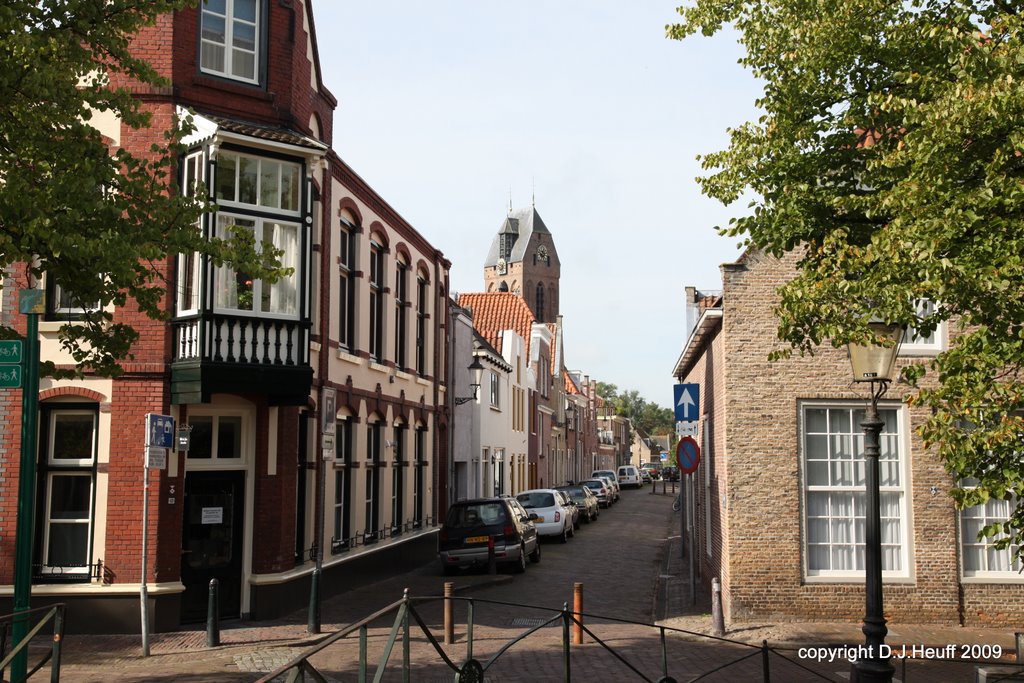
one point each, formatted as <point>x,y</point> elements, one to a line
<point>211,544</point>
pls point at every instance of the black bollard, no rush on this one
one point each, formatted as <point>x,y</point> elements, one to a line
<point>213,616</point>
<point>492,566</point>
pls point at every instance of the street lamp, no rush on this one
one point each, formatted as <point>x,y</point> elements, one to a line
<point>875,364</point>
<point>477,368</point>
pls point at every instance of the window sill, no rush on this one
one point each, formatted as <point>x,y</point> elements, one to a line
<point>377,367</point>
<point>993,578</point>
<point>346,356</point>
<point>857,579</point>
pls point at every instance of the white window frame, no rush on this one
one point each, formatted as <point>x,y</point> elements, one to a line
<point>189,272</point>
<point>52,433</point>
<point>47,569</point>
<point>68,467</point>
<point>283,293</point>
<point>232,25</point>
<point>913,345</point>
<point>969,539</point>
<point>900,440</point>
<point>495,390</point>
<point>215,461</point>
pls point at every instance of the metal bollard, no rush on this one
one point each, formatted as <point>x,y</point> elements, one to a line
<point>492,565</point>
<point>213,616</point>
<point>577,613</point>
<point>717,616</point>
<point>449,619</point>
<point>1018,640</point>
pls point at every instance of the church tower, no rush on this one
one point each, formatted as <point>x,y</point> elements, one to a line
<point>523,260</point>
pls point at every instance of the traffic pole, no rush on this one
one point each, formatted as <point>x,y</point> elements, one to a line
<point>30,304</point>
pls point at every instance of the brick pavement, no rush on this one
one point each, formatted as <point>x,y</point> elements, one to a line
<point>249,650</point>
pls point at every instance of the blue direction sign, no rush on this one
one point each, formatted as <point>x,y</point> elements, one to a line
<point>687,402</point>
<point>687,455</point>
<point>159,431</point>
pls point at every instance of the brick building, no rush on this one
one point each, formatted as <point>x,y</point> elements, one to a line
<point>779,489</point>
<point>243,363</point>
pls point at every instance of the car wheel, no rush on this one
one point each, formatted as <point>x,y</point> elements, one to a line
<point>520,565</point>
<point>535,555</point>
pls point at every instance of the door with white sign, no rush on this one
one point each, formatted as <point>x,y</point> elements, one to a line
<point>211,543</point>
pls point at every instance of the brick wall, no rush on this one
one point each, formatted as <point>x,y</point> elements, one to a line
<point>755,460</point>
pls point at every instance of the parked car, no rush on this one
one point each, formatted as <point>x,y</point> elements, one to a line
<point>645,476</point>
<point>629,476</point>
<point>611,477</point>
<point>599,487</point>
<point>585,500</point>
<point>670,473</point>
<point>470,525</point>
<point>552,518</point>
<point>653,468</point>
<point>569,504</point>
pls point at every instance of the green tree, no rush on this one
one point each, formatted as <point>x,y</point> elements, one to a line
<point>890,152</point>
<point>98,223</point>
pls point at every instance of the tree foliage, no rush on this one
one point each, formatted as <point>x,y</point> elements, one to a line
<point>889,152</point>
<point>98,222</point>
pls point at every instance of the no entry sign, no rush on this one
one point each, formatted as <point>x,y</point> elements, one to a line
<point>687,455</point>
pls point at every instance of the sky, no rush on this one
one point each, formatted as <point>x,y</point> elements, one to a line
<point>451,108</point>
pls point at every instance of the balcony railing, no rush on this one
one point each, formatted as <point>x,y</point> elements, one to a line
<point>241,339</point>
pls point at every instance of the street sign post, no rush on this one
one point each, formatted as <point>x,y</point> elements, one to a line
<point>159,438</point>
<point>687,455</point>
<point>687,402</point>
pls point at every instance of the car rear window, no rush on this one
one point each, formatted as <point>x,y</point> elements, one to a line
<point>575,491</point>
<point>593,485</point>
<point>479,514</point>
<point>538,499</point>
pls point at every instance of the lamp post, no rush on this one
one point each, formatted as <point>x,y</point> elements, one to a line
<point>876,365</point>
<point>477,368</point>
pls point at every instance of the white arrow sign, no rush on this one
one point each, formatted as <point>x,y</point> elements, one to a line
<point>685,400</point>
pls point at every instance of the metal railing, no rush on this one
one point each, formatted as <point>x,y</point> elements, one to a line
<point>55,614</point>
<point>786,661</point>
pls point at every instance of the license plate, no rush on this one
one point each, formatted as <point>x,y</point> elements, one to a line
<point>476,539</point>
<point>539,519</point>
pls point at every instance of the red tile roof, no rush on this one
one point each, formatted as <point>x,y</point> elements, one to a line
<point>570,384</point>
<point>494,312</point>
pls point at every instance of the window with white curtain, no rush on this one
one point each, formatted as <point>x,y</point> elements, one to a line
<point>834,491</point>
<point>980,558</point>
<point>230,41</point>
<point>240,292</point>
<point>916,342</point>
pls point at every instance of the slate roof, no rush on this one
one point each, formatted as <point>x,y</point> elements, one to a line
<point>524,222</point>
<point>497,311</point>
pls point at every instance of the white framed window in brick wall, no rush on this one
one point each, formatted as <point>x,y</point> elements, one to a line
<point>916,343</point>
<point>231,38</point>
<point>833,488</point>
<point>981,561</point>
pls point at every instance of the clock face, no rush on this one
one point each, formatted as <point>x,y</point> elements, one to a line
<point>542,252</point>
<point>502,266</point>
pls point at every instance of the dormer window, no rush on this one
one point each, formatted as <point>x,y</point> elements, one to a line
<point>230,39</point>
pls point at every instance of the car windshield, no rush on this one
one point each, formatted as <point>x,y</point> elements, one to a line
<point>536,499</point>
<point>478,514</point>
<point>574,492</point>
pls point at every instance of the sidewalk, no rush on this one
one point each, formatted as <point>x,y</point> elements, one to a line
<point>680,612</point>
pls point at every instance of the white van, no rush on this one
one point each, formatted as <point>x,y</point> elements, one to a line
<point>629,475</point>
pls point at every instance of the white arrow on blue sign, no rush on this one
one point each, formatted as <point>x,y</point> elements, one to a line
<point>687,402</point>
